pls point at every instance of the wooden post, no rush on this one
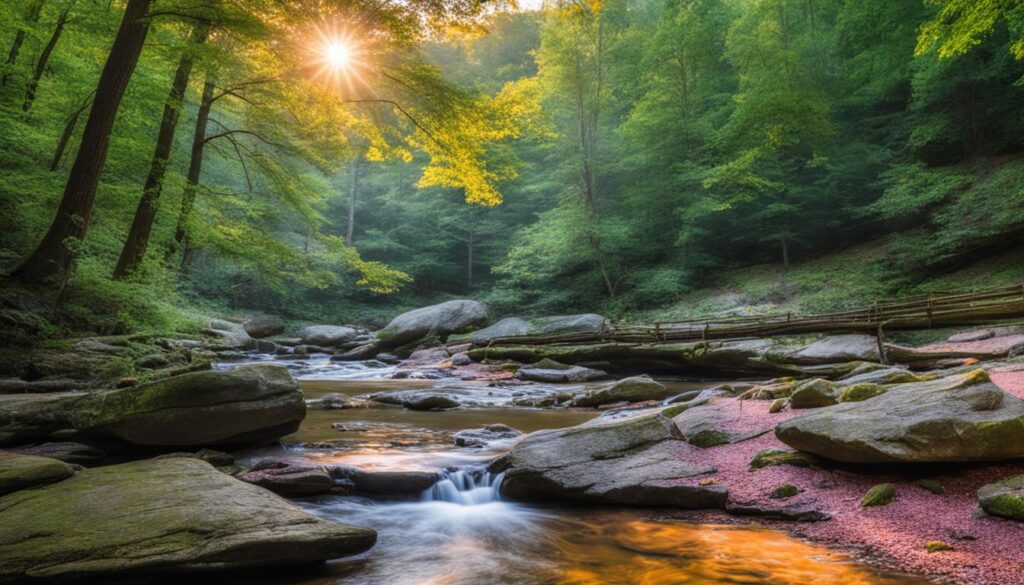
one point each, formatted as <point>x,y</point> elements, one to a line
<point>881,345</point>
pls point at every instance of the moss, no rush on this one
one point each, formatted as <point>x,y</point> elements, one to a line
<point>772,457</point>
<point>675,410</point>
<point>784,491</point>
<point>1009,505</point>
<point>861,392</point>
<point>880,495</point>
<point>777,406</point>
<point>709,438</point>
<point>937,546</point>
<point>931,485</point>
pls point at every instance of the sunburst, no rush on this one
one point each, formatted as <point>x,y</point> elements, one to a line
<point>338,57</point>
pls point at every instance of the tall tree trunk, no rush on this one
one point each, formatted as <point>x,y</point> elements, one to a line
<point>54,254</point>
<point>138,236</point>
<point>69,131</point>
<point>352,195</point>
<point>469,250</point>
<point>44,57</point>
<point>195,170</point>
<point>31,18</point>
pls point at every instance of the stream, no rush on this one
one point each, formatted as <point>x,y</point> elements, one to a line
<point>461,532</point>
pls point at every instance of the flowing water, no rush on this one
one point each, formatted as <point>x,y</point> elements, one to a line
<point>461,532</point>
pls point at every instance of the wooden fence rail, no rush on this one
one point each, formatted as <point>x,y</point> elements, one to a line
<point>922,312</point>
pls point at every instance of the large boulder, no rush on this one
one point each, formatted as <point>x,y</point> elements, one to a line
<point>245,406</point>
<point>22,471</point>
<point>838,348</point>
<point>716,422</point>
<point>635,389</point>
<point>955,419</point>
<point>159,517</point>
<point>483,437</point>
<point>441,320</point>
<point>814,394</point>
<point>260,326</point>
<point>553,372</point>
<point>554,325</point>
<point>636,461</point>
<point>230,335</point>
<point>328,335</point>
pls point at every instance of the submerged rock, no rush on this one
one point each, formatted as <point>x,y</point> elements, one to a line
<point>385,482</point>
<point>1004,498</point>
<point>636,461</point>
<point>553,372</point>
<point>960,418</point>
<point>18,472</point>
<point>635,389</point>
<point>156,518</point>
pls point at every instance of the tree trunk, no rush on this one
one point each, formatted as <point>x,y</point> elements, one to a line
<point>195,170</point>
<point>352,195</point>
<point>53,256</point>
<point>138,236</point>
<point>31,18</point>
<point>469,251</point>
<point>44,57</point>
<point>69,131</point>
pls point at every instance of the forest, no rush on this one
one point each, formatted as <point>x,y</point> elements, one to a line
<point>512,292</point>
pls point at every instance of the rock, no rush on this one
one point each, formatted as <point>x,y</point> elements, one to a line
<point>269,347</point>
<point>885,376</point>
<point>708,425</point>
<point>863,368</point>
<point>19,386</point>
<point>216,458</point>
<point>553,372</point>
<point>388,358</point>
<point>635,461</point>
<point>156,518</point>
<point>992,348</point>
<point>260,326</point>
<point>814,394</point>
<point>290,480</point>
<point>784,492</point>
<point>1004,498</point>
<point>937,546</point>
<point>772,457</point>
<point>336,401</point>
<point>777,405</point>
<point>428,401</point>
<point>66,451</point>
<point>838,348</point>
<point>555,325</point>
<point>386,482</point>
<point>327,335</point>
<point>483,437</point>
<point>461,359</point>
<point>241,407</point>
<point>427,356</point>
<point>955,419</point>
<point>931,485</point>
<point>362,352</point>
<point>880,495</point>
<point>231,335</point>
<point>441,320</point>
<point>977,335</point>
<point>635,389</point>
<point>792,513</point>
<point>861,392</point>
<point>18,472</point>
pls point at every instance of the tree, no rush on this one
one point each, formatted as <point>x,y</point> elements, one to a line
<point>35,9</point>
<point>44,56</point>
<point>960,25</point>
<point>53,256</point>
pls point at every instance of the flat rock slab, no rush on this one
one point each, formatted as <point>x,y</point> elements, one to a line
<point>718,422</point>
<point>635,389</point>
<point>18,472</point>
<point>638,461</point>
<point>554,372</point>
<point>159,517</point>
<point>956,419</point>
<point>993,347</point>
<point>838,348</point>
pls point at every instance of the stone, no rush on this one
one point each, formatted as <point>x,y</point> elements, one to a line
<point>784,492</point>
<point>931,485</point>
<point>327,335</point>
<point>336,401</point>
<point>428,401</point>
<point>635,389</point>
<point>814,394</point>
<point>556,373</point>
<point>976,335</point>
<point>485,436</point>
<point>554,325</point>
<point>838,348</point>
<point>230,335</point>
<point>261,326</point>
<point>18,472</point>
<point>246,406</point>
<point>861,392</point>
<point>66,451</point>
<point>638,461</point>
<point>880,495</point>
<point>156,518</point>
<point>386,482</point>
<point>708,425</point>
<point>461,359</point>
<point>1004,498</point>
<point>439,320</point>
<point>961,418</point>
<point>290,480</point>
<point>777,405</point>
<point>885,376</point>
<point>772,457</point>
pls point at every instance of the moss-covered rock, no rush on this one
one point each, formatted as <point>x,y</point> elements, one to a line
<point>784,491</point>
<point>937,546</point>
<point>778,405</point>
<point>772,457</point>
<point>1004,498</point>
<point>861,392</point>
<point>159,517</point>
<point>635,389</point>
<point>814,394</point>
<point>931,485</point>
<point>23,471</point>
<point>880,495</point>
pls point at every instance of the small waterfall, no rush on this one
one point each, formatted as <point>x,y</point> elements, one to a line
<point>466,488</point>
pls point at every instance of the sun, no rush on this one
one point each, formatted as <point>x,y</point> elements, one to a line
<point>338,57</point>
<point>338,54</point>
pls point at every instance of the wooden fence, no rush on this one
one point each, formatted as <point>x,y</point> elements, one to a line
<point>941,309</point>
